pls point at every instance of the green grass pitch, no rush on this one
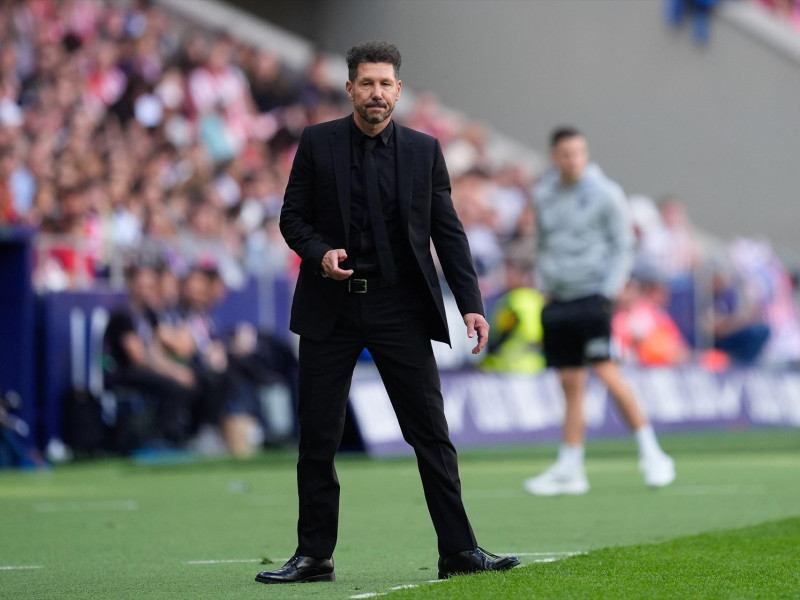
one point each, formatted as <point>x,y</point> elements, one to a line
<point>728,528</point>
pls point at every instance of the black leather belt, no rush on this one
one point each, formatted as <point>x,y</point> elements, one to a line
<point>357,285</point>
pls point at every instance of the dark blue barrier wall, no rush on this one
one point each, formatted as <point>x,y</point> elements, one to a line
<point>238,306</point>
<point>682,308</point>
<point>72,327</point>
<point>282,290</point>
<point>18,318</point>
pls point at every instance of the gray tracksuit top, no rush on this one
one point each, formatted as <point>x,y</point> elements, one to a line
<point>585,241</point>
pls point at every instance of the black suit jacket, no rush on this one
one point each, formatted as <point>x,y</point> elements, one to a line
<point>315,218</point>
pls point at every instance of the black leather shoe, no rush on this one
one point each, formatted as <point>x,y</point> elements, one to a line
<point>300,569</point>
<point>474,561</point>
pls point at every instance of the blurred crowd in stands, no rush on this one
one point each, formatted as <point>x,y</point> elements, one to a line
<point>735,297</point>
<point>136,141</point>
<point>697,14</point>
<point>786,10</point>
<point>694,13</point>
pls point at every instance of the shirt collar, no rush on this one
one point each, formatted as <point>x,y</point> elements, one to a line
<point>359,135</point>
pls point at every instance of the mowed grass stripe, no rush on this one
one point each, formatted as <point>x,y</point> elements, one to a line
<point>228,510</point>
<point>762,561</point>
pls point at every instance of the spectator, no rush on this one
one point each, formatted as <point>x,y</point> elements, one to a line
<point>515,337</point>
<point>643,332</point>
<point>427,116</point>
<point>318,88</point>
<point>7,213</point>
<point>468,153</point>
<point>786,10</point>
<point>271,83</point>
<point>18,179</point>
<point>652,245</point>
<point>471,198</point>
<point>765,281</point>
<point>680,253</point>
<point>737,324</point>
<point>698,12</point>
<point>132,362</point>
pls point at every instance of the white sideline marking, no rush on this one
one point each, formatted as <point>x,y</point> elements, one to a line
<point>221,562</point>
<point>407,586</point>
<point>714,490</point>
<point>572,553</point>
<point>19,567</point>
<point>546,557</point>
<point>91,506</point>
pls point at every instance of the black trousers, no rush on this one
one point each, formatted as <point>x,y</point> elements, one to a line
<point>389,322</point>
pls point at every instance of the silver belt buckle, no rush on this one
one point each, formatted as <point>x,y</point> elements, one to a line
<point>357,286</point>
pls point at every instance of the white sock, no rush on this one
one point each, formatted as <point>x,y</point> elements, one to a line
<point>646,438</point>
<point>570,457</point>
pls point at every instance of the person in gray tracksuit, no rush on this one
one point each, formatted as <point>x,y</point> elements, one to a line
<point>584,239</point>
<point>585,257</point>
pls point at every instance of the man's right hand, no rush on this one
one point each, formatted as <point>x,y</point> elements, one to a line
<point>330,265</point>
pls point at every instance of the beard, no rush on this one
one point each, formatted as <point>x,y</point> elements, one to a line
<point>374,120</point>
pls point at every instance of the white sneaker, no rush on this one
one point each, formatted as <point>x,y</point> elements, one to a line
<point>658,470</point>
<point>558,480</point>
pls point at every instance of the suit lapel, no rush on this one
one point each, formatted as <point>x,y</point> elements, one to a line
<point>405,173</point>
<point>340,147</point>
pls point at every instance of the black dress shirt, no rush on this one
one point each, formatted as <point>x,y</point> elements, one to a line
<point>362,256</point>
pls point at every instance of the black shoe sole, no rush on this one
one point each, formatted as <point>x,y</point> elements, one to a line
<point>505,564</point>
<point>310,579</point>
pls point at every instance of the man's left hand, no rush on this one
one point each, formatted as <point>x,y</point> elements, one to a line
<point>476,322</point>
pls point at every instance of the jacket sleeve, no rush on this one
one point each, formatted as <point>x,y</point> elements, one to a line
<point>297,213</point>
<point>451,242</point>
<point>620,235</point>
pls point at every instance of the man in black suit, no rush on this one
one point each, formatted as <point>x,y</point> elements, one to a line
<point>364,200</point>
